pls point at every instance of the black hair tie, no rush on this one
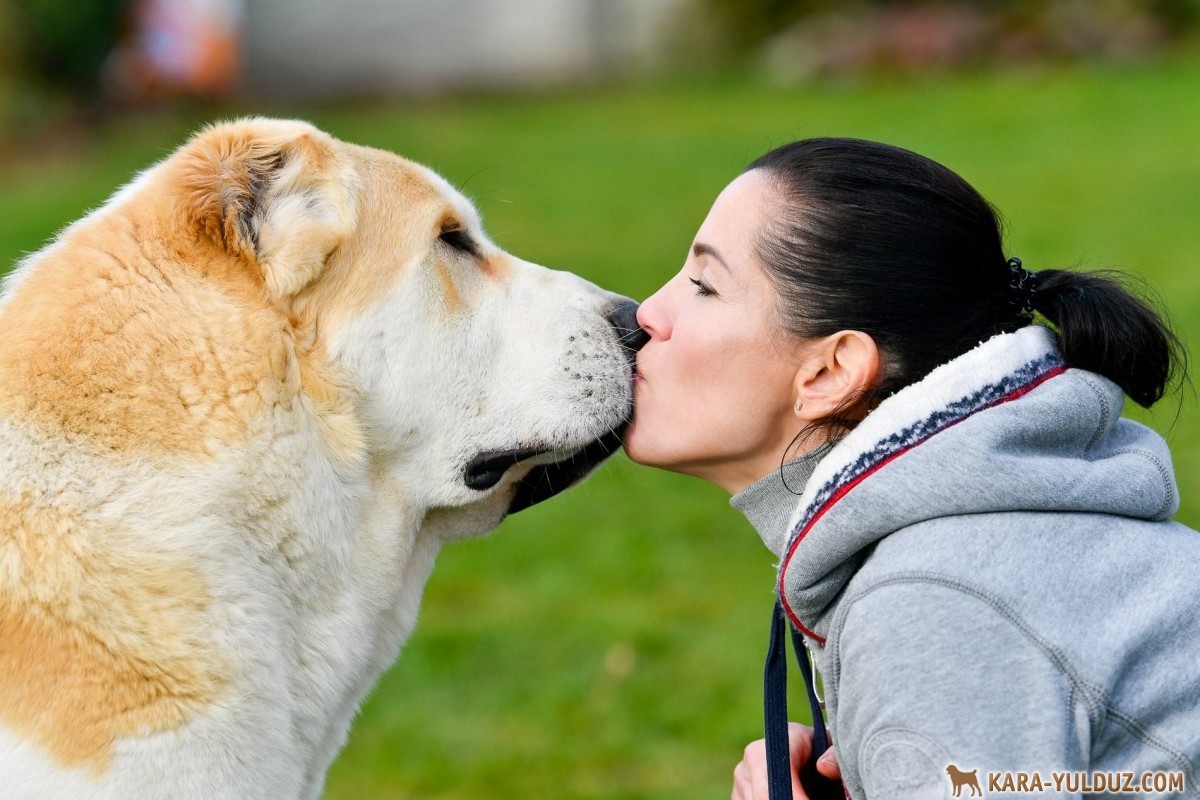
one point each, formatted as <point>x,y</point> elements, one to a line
<point>1022,284</point>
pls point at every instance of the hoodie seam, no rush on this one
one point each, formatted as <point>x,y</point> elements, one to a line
<point>1094,697</point>
<point>1105,416</point>
<point>1163,473</point>
<point>1147,738</point>
<point>1097,699</point>
<point>1105,413</point>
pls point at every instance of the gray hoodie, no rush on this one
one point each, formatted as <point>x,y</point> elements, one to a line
<point>987,574</point>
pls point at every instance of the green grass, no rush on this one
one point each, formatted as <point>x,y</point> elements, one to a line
<point>608,643</point>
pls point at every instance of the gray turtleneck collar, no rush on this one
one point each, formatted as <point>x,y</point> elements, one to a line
<point>768,503</point>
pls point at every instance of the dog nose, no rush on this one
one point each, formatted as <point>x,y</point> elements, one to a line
<point>629,333</point>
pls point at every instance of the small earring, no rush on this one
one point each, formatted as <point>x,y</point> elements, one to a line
<point>797,406</point>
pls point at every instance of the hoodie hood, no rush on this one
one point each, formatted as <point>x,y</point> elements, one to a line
<point>1004,427</point>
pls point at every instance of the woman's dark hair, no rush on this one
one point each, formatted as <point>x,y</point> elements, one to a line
<point>878,239</point>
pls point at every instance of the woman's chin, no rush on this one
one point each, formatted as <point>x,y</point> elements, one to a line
<point>632,443</point>
<point>636,446</point>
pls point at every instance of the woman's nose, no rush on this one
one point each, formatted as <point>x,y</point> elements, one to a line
<point>652,317</point>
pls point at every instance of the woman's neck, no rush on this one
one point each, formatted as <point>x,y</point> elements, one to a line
<point>769,502</point>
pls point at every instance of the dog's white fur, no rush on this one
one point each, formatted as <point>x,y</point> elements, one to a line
<point>236,407</point>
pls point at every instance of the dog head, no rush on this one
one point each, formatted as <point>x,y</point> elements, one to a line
<point>489,382</point>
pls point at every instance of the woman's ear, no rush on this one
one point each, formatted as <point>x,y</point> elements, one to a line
<point>833,370</point>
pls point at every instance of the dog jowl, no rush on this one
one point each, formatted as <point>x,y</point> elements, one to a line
<point>241,407</point>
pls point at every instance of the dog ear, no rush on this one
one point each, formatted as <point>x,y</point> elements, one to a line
<point>273,192</point>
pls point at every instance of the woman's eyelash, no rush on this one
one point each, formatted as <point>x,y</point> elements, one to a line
<point>702,289</point>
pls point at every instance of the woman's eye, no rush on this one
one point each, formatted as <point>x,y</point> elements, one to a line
<point>701,288</point>
<point>460,241</point>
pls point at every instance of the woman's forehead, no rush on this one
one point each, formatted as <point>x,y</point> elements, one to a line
<point>736,213</point>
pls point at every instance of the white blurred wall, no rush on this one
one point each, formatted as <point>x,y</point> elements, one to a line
<point>324,48</point>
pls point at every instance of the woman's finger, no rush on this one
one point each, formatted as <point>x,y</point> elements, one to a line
<point>750,775</point>
<point>799,744</point>
<point>828,765</point>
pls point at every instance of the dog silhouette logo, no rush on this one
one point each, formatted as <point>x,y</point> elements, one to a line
<point>960,779</point>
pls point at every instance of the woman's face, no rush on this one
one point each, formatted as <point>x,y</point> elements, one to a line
<point>713,393</point>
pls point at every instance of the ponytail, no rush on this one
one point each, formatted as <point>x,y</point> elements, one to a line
<point>875,238</point>
<point>1104,328</point>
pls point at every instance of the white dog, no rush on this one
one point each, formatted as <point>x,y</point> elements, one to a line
<point>241,407</point>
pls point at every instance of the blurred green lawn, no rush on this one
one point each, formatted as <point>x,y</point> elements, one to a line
<point>608,643</point>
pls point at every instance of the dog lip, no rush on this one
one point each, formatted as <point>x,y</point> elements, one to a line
<point>546,480</point>
<point>486,469</point>
<point>543,481</point>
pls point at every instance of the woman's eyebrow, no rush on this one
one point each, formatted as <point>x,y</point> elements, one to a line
<point>701,249</point>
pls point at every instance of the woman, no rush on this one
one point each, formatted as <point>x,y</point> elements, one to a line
<point>974,544</point>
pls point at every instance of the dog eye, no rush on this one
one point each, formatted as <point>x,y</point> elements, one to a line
<point>460,241</point>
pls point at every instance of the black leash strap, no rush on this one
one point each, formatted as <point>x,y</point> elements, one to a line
<point>775,718</point>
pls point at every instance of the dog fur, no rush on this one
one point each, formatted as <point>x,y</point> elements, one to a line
<point>237,405</point>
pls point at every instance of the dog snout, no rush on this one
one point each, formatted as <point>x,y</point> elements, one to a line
<point>624,320</point>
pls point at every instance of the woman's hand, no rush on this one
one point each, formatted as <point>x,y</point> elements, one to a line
<point>750,776</point>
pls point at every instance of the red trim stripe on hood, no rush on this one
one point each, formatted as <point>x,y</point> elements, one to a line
<point>845,489</point>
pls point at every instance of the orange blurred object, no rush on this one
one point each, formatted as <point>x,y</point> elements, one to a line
<point>178,48</point>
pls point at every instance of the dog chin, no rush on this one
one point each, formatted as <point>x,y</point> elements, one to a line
<point>465,522</point>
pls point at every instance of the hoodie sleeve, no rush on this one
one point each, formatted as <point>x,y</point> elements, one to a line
<point>938,687</point>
